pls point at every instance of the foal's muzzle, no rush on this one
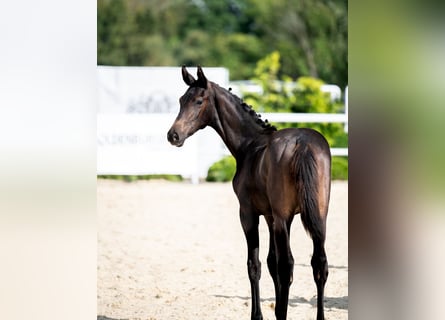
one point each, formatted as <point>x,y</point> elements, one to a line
<point>173,138</point>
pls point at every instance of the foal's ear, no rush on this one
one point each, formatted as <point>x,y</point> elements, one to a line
<point>188,78</point>
<point>202,80</point>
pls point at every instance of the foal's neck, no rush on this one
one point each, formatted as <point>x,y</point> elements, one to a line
<point>235,122</point>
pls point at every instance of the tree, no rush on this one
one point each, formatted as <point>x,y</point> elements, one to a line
<point>310,35</point>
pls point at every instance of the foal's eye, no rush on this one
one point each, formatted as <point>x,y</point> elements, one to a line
<point>199,102</point>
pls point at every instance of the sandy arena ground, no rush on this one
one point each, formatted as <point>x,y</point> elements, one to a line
<point>177,251</point>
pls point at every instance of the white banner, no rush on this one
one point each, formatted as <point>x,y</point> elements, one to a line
<point>137,144</point>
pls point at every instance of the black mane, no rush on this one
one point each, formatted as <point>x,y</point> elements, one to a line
<point>267,127</point>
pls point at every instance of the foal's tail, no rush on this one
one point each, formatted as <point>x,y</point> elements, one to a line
<point>305,173</point>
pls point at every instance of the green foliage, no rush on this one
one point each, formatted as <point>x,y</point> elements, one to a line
<point>339,168</point>
<point>310,98</point>
<point>222,170</point>
<point>311,35</point>
<point>286,96</point>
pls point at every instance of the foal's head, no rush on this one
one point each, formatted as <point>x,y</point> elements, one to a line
<point>196,108</point>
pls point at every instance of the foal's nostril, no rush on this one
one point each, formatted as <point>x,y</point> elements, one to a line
<point>172,136</point>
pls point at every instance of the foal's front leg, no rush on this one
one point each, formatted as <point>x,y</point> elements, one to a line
<point>249,222</point>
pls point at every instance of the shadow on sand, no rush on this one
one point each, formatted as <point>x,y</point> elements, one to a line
<point>329,302</point>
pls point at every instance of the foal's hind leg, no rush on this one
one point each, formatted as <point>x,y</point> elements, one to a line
<point>320,271</point>
<point>285,265</point>
<point>249,222</point>
<point>271,256</point>
<point>319,261</point>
